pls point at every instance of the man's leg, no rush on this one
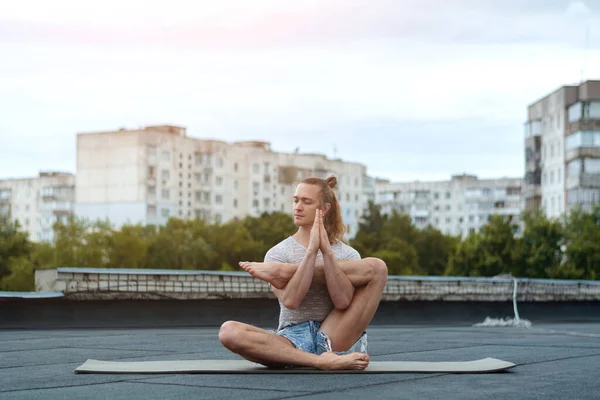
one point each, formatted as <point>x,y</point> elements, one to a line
<point>272,350</point>
<point>344,327</point>
<point>360,272</point>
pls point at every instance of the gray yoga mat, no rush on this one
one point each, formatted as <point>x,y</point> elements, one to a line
<point>247,367</point>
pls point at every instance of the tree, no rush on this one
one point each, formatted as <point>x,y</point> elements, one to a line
<point>582,253</point>
<point>129,246</point>
<point>539,249</point>
<point>269,229</point>
<point>434,249</point>
<point>400,257</point>
<point>489,253</point>
<point>368,237</point>
<point>13,244</point>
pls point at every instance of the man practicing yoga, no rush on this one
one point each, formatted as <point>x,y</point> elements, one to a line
<point>327,294</point>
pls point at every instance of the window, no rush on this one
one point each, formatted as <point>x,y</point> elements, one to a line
<point>152,192</point>
<point>218,217</point>
<point>164,212</point>
<point>256,168</point>
<point>255,203</point>
<point>165,175</point>
<point>151,211</point>
<point>255,187</point>
<point>220,162</point>
<point>235,167</point>
<point>219,199</point>
<point>448,220</point>
<point>151,172</point>
<point>207,197</point>
<point>559,175</point>
<point>198,195</point>
<point>356,198</point>
<point>235,185</point>
<point>166,156</point>
<point>436,195</point>
<point>235,203</point>
<point>219,181</point>
<point>583,139</point>
<point>551,177</point>
<point>448,208</point>
<point>447,195</point>
<point>165,194</point>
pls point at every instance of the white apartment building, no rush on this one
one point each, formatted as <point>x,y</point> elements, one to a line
<point>461,205</point>
<point>37,203</point>
<point>153,173</point>
<point>562,150</point>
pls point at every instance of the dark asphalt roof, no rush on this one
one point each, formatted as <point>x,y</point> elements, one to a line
<point>555,361</point>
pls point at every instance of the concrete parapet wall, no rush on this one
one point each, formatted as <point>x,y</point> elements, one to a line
<point>98,284</point>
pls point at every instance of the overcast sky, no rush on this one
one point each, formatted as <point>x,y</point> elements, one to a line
<point>413,89</point>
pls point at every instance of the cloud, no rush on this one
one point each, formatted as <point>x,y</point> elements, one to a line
<point>283,23</point>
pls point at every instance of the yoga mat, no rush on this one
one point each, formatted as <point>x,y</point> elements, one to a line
<point>247,367</point>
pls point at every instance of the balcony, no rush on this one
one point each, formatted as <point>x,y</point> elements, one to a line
<point>581,152</point>
<point>585,180</point>
<point>583,125</point>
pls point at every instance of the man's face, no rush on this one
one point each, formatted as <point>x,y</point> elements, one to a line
<point>307,200</point>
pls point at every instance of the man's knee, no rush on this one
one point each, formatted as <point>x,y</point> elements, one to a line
<point>379,269</point>
<point>229,334</point>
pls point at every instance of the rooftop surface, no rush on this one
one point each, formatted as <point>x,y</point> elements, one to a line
<point>554,361</point>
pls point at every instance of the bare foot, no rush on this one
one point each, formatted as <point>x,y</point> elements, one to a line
<point>277,274</point>
<point>347,361</point>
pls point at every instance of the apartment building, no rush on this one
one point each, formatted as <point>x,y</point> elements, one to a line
<point>156,172</point>
<point>562,150</point>
<point>37,203</point>
<point>459,206</point>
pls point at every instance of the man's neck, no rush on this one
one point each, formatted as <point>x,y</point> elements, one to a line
<point>302,236</point>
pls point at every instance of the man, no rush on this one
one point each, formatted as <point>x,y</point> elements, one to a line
<point>327,294</point>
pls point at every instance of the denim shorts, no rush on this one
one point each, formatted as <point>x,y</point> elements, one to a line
<point>306,336</point>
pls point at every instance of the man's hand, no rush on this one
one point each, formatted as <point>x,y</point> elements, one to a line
<point>325,245</point>
<point>315,240</point>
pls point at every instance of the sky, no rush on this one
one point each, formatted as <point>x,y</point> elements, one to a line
<point>412,89</point>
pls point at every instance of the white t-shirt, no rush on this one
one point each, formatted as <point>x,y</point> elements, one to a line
<point>317,304</point>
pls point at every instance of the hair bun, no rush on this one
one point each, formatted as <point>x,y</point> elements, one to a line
<point>331,181</point>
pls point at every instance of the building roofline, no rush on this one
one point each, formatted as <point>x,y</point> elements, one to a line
<point>561,88</point>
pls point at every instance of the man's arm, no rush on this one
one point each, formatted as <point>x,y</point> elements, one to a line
<point>339,287</point>
<point>293,293</point>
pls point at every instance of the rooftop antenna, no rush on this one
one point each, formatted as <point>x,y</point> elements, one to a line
<point>586,44</point>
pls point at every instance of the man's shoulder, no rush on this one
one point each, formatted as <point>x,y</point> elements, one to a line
<point>284,244</point>
<point>280,251</point>
<point>346,251</point>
